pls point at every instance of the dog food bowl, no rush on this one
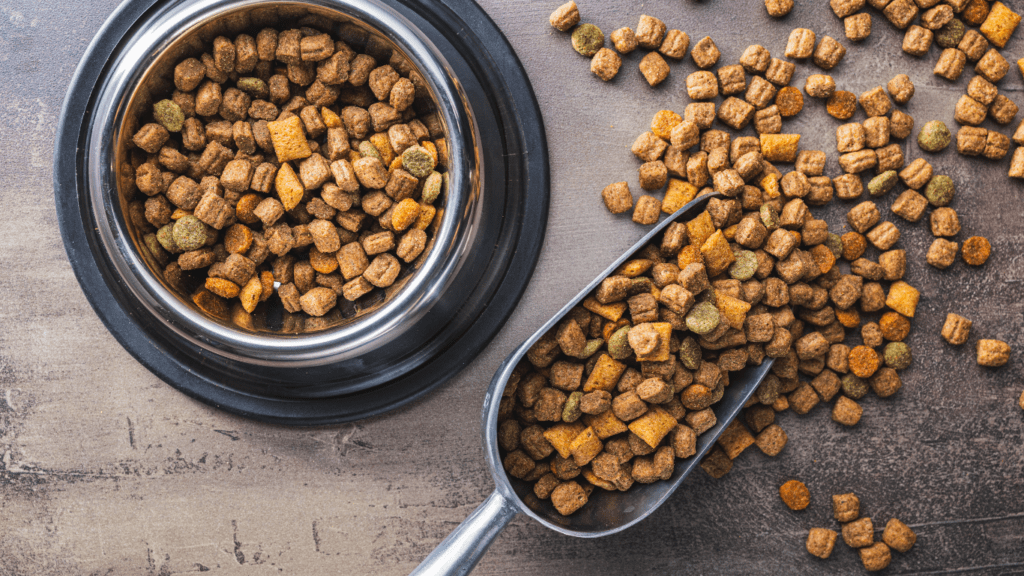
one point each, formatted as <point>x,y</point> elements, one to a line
<point>363,358</point>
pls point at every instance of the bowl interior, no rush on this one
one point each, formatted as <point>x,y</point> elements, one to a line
<point>270,319</point>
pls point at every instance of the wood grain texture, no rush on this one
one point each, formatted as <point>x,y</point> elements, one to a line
<point>104,469</point>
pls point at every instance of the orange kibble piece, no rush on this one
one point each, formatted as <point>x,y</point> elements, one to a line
<point>405,214</point>
<point>903,298</point>
<point>854,245</point>
<point>331,119</point>
<point>795,494</point>
<point>237,239</point>
<point>321,262</point>
<point>289,139</point>
<point>246,204</point>
<point>790,101</point>
<point>975,12</point>
<point>223,288</point>
<point>663,123</point>
<point>426,216</point>
<point>841,105</point>
<point>976,250</point>
<point>864,361</point>
<point>850,318</point>
<point>251,293</point>
<point>895,327</point>
<point>823,257</point>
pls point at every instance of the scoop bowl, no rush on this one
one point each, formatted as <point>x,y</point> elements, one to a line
<point>606,512</point>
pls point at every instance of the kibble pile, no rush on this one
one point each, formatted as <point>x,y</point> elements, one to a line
<point>762,220</point>
<point>288,163</point>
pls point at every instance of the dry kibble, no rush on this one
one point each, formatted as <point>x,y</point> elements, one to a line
<point>993,353</point>
<point>1000,24</point>
<point>829,53</point>
<point>654,68</point>
<point>795,495</point>
<point>755,59</point>
<point>937,17</point>
<point>944,222</point>
<point>857,26</point>
<point>934,136</point>
<point>976,250</point>
<point>950,64</point>
<point>842,105</point>
<point>624,40</point>
<point>675,44</point>
<point>778,8</point>
<point>565,17</point>
<point>605,64</point>
<point>1003,110</point>
<point>899,536</point>
<point>821,541</point>
<point>1017,163</point>
<point>780,72</point>
<point>801,44</point>
<point>875,557</point>
<point>705,54</point>
<point>950,35</point>
<point>917,41</point>
<point>875,102</point>
<point>702,85</point>
<point>587,39</point>
<point>973,45</point>
<point>648,209</point>
<point>901,88</point>
<point>997,145</point>
<point>819,86</point>
<point>901,13</point>
<point>844,8</point>
<point>956,329</point>
<point>942,253</point>
<point>992,66</point>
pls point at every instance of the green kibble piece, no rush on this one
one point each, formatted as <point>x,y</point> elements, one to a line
<point>618,344</point>
<point>254,87</point>
<point>835,244</point>
<point>769,217</point>
<point>940,191</point>
<point>591,347</point>
<point>572,412</point>
<point>189,233</point>
<point>897,355</point>
<point>367,149</point>
<point>641,285</point>
<point>690,353</point>
<point>934,136</point>
<point>169,115</point>
<point>432,187</point>
<point>165,236</point>
<point>744,267</point>
<point>854,387</point>
<point>417,161</point>
<point>155,248</point>
<point>587,39</point>
<point>703,318</point>
<point>950,35</point>
<point>883,183</point>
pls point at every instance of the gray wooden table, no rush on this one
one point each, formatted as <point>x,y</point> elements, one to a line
<point>104,469</point>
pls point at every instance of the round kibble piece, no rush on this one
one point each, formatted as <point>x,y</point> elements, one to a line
<point>863,361</point>
<point>418,161</point>
<point>950,35</point>
<point>165,236</point>
<point>976,250</point>
<point>834,243</point>
<point>842,105</point>
<point>897,355</point>
<point>405,214</point>
<point>189,233</point>
<point>587,39</point>
<point>883,183</point>
<point>703,318</point>
<point>169,115</point>
<point>854,387</point>
<point>895,327</point>
<point>934,136</point>
<point>745,266</point>
<point>940,191</point>
<point>790,101</point>
<point>618,344</point>
<point>795,494</point>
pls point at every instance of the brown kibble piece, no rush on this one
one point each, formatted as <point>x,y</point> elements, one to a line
<point>993,353</point>
<point>565,17</point>
<point>859,533</point>
<point>899,536</point>
<point>821,541</point>
<point>875,557</point>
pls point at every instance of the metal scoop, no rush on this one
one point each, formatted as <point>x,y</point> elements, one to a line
<point>606,512</point>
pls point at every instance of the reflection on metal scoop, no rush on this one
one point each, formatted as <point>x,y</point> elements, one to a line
<point>606,512</point>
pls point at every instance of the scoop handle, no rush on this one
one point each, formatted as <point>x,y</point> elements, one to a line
<point>457,554</point>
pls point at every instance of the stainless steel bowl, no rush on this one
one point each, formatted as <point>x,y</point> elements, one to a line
<point>428,325</point>
<point>144,74</point>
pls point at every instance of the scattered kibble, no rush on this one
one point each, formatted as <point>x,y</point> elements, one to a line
<point>795,495</point>
<point>934,136</point>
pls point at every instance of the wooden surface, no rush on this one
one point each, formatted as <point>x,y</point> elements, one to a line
<point>104,469</point>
